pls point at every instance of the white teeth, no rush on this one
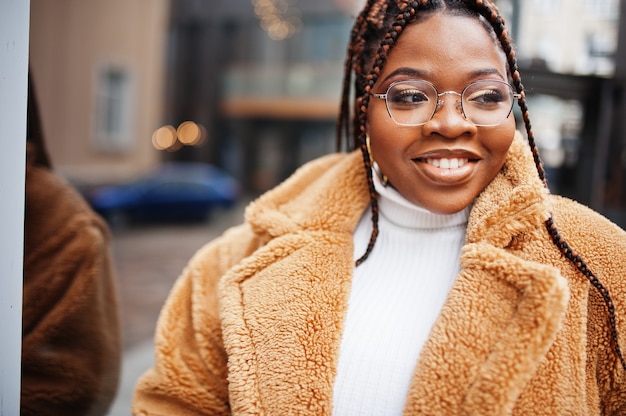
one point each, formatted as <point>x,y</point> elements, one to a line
<point>444,163</point>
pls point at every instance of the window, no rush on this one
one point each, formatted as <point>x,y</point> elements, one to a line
<point>602,8</point>
<point>113,110</point>
<point>321,40</point>
<point>548,6</point>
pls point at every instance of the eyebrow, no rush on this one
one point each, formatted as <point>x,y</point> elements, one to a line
<point>418,73</point>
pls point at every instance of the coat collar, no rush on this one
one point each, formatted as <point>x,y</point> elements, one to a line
<point>329,194</point>
<point>332,194</point>
<point>513,202</point>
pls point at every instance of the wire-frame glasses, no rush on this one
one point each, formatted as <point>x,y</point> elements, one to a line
<point>483,103</point>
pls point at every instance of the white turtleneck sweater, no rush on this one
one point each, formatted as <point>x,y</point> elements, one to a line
<point>396,296</point>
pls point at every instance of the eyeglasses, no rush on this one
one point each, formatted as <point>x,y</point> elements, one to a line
<point>483,103</point>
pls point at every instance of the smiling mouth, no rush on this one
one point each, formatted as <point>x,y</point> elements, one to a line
<point>447,163</point>
<point>447,170</point>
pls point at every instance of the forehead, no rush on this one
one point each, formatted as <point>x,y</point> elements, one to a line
<point>447,46</point>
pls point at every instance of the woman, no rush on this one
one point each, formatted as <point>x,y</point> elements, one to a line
<point>466,298</point>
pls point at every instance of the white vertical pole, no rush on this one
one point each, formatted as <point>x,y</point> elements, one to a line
<point>14,26</point>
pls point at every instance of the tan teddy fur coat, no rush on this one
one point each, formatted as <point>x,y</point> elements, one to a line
<point>71,341</point>
<point>521,333</point>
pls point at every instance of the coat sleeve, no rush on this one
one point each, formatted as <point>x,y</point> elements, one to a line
<point>602,245</point>
<point>190,372</point>
<point>71,336</point>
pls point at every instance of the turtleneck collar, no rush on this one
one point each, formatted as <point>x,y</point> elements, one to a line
<point>399,211</point>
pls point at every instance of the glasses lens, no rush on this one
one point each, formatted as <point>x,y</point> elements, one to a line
<point>411,103</point>
<point>487,102</point>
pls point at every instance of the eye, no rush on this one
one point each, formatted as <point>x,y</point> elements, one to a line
<point>487,95</point>
<point>410,97</point>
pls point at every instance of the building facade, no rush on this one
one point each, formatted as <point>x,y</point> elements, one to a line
<point>98,68</point>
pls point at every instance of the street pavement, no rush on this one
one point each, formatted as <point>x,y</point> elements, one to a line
<point>147,261</point>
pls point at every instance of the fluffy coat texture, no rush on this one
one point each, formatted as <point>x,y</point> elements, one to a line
<point>71,336</point>
<point>521,333</point>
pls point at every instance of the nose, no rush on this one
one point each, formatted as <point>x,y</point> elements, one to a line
<point>448,119</point>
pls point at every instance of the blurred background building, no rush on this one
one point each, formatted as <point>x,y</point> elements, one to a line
<point>263,77</point>
<point>253,86</point>
<point>99,67</point>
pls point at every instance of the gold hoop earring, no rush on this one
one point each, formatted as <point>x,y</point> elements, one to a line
<point>375,168</point>
<point>369,148</point>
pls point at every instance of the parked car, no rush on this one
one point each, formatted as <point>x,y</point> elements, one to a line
<point>176,192</point>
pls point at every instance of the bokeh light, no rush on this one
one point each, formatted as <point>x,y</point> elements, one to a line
<point>278,18</point>
<point>172,139</point>
<point>188,133</point>
<point>164,137</point>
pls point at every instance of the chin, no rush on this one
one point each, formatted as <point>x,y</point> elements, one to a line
<point>447,209</point>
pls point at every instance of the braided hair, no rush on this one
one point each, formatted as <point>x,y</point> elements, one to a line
<point>374,34</point>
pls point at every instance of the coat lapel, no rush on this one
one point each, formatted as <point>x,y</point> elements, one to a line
<point>282,312</point>
<point>283,308</point>
<point>493,331</point>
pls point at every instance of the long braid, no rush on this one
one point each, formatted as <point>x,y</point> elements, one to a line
<point>490,13</point>
<point>404,14</point>
<point>580,264</point>
<point>354,62</point>
<point>343,123</point>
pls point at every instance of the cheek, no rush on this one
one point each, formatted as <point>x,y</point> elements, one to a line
<point>500,140</point>
<point>380,128</point>
<point>385,146</point>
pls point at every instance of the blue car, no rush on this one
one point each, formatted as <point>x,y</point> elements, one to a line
<point>176,192</point>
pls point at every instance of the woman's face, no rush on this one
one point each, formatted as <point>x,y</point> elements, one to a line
<point>450,52</point>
